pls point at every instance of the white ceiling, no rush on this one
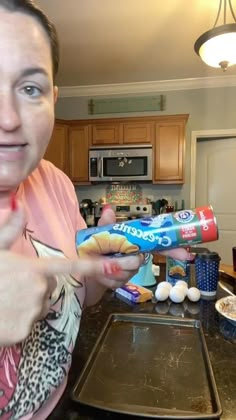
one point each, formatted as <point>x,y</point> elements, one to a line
<point>131,41</point>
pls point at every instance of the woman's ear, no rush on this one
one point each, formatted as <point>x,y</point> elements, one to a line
<point>55,93</point>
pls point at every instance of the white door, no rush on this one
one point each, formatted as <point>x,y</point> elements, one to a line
<point>216,186</point>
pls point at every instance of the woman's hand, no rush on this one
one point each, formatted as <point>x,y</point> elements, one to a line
<point>26,284</point>
<point>123,269</point>
<point>118,271</point>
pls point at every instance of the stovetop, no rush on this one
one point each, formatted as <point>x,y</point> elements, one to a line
<point>127,210</point>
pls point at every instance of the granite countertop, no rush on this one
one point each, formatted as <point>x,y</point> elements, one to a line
<point>220,338</point>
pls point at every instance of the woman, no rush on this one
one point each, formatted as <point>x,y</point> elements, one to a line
<point>44,285</point>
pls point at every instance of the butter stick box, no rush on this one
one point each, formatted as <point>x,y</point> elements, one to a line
<point>134,293</point>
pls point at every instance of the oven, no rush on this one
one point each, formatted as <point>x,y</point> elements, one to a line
<point>125,212</point>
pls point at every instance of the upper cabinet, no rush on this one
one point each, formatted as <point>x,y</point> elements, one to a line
<point>57,151</point>
<point>138,132</point>
<point>79,140</point>
<point>104,133</point>
<point>169,151</point>
<point>71,140</point>
<point>116,132</point>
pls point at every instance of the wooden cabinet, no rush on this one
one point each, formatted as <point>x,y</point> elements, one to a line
<point>79,140</point>
<point>69,146</point>
<point>169,151</point>
<point>57,151</point>
<point>106,133</point>
<point>158,258</point>
<point>137,131</point>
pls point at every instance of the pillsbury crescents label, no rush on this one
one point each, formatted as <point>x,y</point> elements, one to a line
<point>148,234</point>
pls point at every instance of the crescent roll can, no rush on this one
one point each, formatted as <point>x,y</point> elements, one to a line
<point>149,234</point>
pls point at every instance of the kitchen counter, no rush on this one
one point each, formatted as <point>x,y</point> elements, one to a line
<point>220,337</point>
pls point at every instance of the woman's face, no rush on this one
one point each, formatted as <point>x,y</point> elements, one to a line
<point>27,97</point>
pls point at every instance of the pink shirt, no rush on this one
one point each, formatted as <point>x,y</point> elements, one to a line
<point>33,374</point>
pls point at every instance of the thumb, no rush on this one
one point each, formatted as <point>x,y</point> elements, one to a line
<point>108,216</point>
<point>12,227</point>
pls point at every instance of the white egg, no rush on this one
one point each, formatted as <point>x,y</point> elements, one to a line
<point>162,293</point>
<point>194,294</point>
<point>177,294</point>
<point>164,284</point>
<point>183,288</point>
<point>181,283</point>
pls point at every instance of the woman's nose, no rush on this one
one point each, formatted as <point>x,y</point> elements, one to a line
<point>9,112</point>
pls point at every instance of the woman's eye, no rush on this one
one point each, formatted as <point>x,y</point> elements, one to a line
<point>32,91</point>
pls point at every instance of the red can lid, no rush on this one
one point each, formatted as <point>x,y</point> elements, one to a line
<point>208,224</point>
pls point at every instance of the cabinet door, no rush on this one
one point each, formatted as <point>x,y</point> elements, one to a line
<point>79,153</point>
<point>138,132</point>
<point>107,133</point>
<point>169,153</point>
<point>57,148</point>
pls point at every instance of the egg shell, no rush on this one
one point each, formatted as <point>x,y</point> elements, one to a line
<point>182,283</point>
<point>194,294</point>
<point>161,293</point>
<point>177,294</point>
<point>183,288</point>
<point>165,284</point>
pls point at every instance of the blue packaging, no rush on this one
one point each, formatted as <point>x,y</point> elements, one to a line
<point>149,234</point>
<point>177,270</point>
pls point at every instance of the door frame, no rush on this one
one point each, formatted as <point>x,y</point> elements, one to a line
<point>231,132</point>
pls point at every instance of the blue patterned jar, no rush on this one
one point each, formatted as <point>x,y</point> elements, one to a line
<point>207,272</point>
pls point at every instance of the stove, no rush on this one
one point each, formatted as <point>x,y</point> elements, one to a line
<point>126,211</point>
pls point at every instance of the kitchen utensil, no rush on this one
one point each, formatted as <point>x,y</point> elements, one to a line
<point>227,308</point>
<point>225,288</point>
<point>145,276</point>
<point>145,365</point>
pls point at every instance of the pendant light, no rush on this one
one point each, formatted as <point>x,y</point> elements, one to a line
<point>217,47</point>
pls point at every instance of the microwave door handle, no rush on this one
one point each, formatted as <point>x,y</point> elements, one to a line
<point>100,167</point>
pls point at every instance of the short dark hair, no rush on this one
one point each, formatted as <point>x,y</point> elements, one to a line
<point>28,7</point>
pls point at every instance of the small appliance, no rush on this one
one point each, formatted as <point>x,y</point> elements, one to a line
<point>123,163</point>
<point>145,276</point>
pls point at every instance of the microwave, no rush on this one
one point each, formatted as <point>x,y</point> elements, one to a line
<point>121,163</point>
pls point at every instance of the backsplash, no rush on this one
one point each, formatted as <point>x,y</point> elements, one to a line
<point>130,193</point>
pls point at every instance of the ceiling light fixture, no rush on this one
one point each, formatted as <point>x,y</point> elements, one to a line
<point>217,47</point>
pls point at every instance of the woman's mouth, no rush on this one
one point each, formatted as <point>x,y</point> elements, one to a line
<point>12,152</point>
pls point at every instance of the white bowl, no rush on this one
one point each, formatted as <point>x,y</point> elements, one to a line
<point>227,308</point>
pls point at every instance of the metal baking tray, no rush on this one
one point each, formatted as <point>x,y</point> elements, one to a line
<point>150,366</point>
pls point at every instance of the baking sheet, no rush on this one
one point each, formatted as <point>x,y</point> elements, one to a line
<point>151,366</point>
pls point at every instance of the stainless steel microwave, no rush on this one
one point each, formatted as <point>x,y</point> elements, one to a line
<point>120,163</point>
